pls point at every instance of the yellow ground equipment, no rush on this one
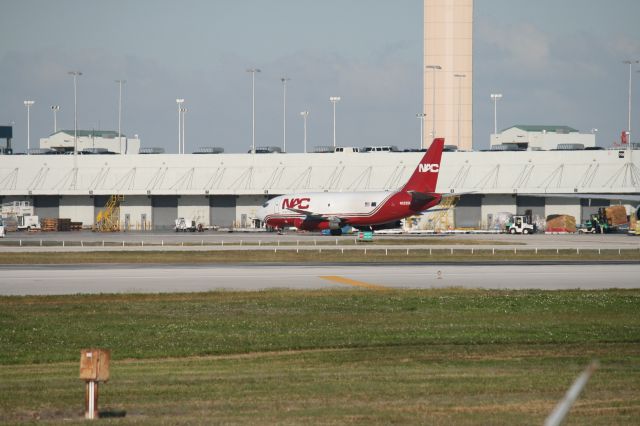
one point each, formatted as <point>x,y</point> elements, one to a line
<point>108,219</point>
<point>443,218</point>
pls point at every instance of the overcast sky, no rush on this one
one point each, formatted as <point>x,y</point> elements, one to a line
<point>555,62</point>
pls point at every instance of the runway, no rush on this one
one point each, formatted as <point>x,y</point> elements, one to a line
<point>93,279</point>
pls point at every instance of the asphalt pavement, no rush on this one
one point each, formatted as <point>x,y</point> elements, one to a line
<point>94,279</point>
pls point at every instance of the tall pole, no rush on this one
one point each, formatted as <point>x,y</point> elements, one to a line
<point>459,77</point>
<point>434,68</point>
<point>629,62</point>
<point>28,104</point>
<point>334,100</point>
<point>55,109</point>
<point>179,101</point>
<point>120,83</point>
<point>75,75</point>
<point>421,116</point>
<point>183,110</point>
<point>284,112</point>
<point>304,115</point>
<point>253,72</point>
<point>495,97</point>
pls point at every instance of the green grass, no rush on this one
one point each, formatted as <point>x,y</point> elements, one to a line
<point>333,357</point>
<point>322,255</point>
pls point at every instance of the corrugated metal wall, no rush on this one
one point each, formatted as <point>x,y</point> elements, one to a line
<point>46,206</point>
<point>468,211</point>
<point>164,211</point>
<point>222,210</point>
<point>533,206</point>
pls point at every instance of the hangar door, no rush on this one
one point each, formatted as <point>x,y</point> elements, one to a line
<point>164,211</point>
<point>468,211</point>
<point>591,206</point>
<point>46,206</point>
<point>533,206</point>
<point>222,211</point>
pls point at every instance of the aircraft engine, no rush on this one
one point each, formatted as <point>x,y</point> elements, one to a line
<point>335,223</point>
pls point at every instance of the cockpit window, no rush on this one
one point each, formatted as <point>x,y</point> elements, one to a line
<point>265,204</point>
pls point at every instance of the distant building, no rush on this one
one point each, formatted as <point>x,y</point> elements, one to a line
<point>530,137</point>
<point>63,140</point>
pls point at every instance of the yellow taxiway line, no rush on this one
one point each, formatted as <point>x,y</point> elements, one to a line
<point>348,281</point>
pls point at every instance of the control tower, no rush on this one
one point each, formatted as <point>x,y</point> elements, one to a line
<point>448,71</point>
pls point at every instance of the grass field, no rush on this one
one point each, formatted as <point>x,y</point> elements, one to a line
<point>331,357</point>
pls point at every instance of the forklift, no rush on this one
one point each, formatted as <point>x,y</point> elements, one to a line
<point>598,223</point>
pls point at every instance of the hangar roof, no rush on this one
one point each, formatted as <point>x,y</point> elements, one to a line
<point>540,128</point>
<point>510,172</point>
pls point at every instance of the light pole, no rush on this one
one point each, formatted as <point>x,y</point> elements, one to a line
<point>434,68</point>
<point>459,77</point>
<point>630,62</point>
<point>253,72</point>
<point>284,112</point>
<point>120,83</point>
<point>304,115</point>
<point>179,101</point>
<point>421,116</point>
<point>334,100</point>
<point>495,97</point>
<point>28,104</point>
<point>183,111</point>
<point>55,109</point>
<point>75,75</point>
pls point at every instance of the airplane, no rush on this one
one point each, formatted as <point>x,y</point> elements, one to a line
<point>370,210</point>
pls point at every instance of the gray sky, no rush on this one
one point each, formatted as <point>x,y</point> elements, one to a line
<point>556,62</point>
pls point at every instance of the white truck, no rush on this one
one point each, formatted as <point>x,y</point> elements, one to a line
<point>28,223</point>
<point>1,228</point>
<point>520,225</point>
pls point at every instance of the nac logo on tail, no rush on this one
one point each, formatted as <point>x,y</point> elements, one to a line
<point>435,168</point>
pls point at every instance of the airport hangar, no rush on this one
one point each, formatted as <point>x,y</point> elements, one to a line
<point>226,189</point>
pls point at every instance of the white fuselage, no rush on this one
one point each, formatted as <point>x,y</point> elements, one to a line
<point>324,203</point>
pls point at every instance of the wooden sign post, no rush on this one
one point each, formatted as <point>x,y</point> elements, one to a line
<point>94,368</point>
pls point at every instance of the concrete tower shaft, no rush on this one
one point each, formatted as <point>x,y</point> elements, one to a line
<point>448,71</point>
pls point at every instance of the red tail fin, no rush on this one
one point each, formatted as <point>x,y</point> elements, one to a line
<point>425,177</point>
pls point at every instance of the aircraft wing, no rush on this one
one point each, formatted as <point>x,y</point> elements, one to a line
<point>310,215</point>
<point>320,217</point>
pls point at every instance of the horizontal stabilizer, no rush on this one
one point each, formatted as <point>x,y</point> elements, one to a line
<point>421,197</point>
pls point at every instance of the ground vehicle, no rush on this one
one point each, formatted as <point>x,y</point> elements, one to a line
<point>598,224</point>
<point>1,229</point>
<point>28,222</point>
<point>520,225</point>
<point>347,149</point>
<point>183,225</point>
